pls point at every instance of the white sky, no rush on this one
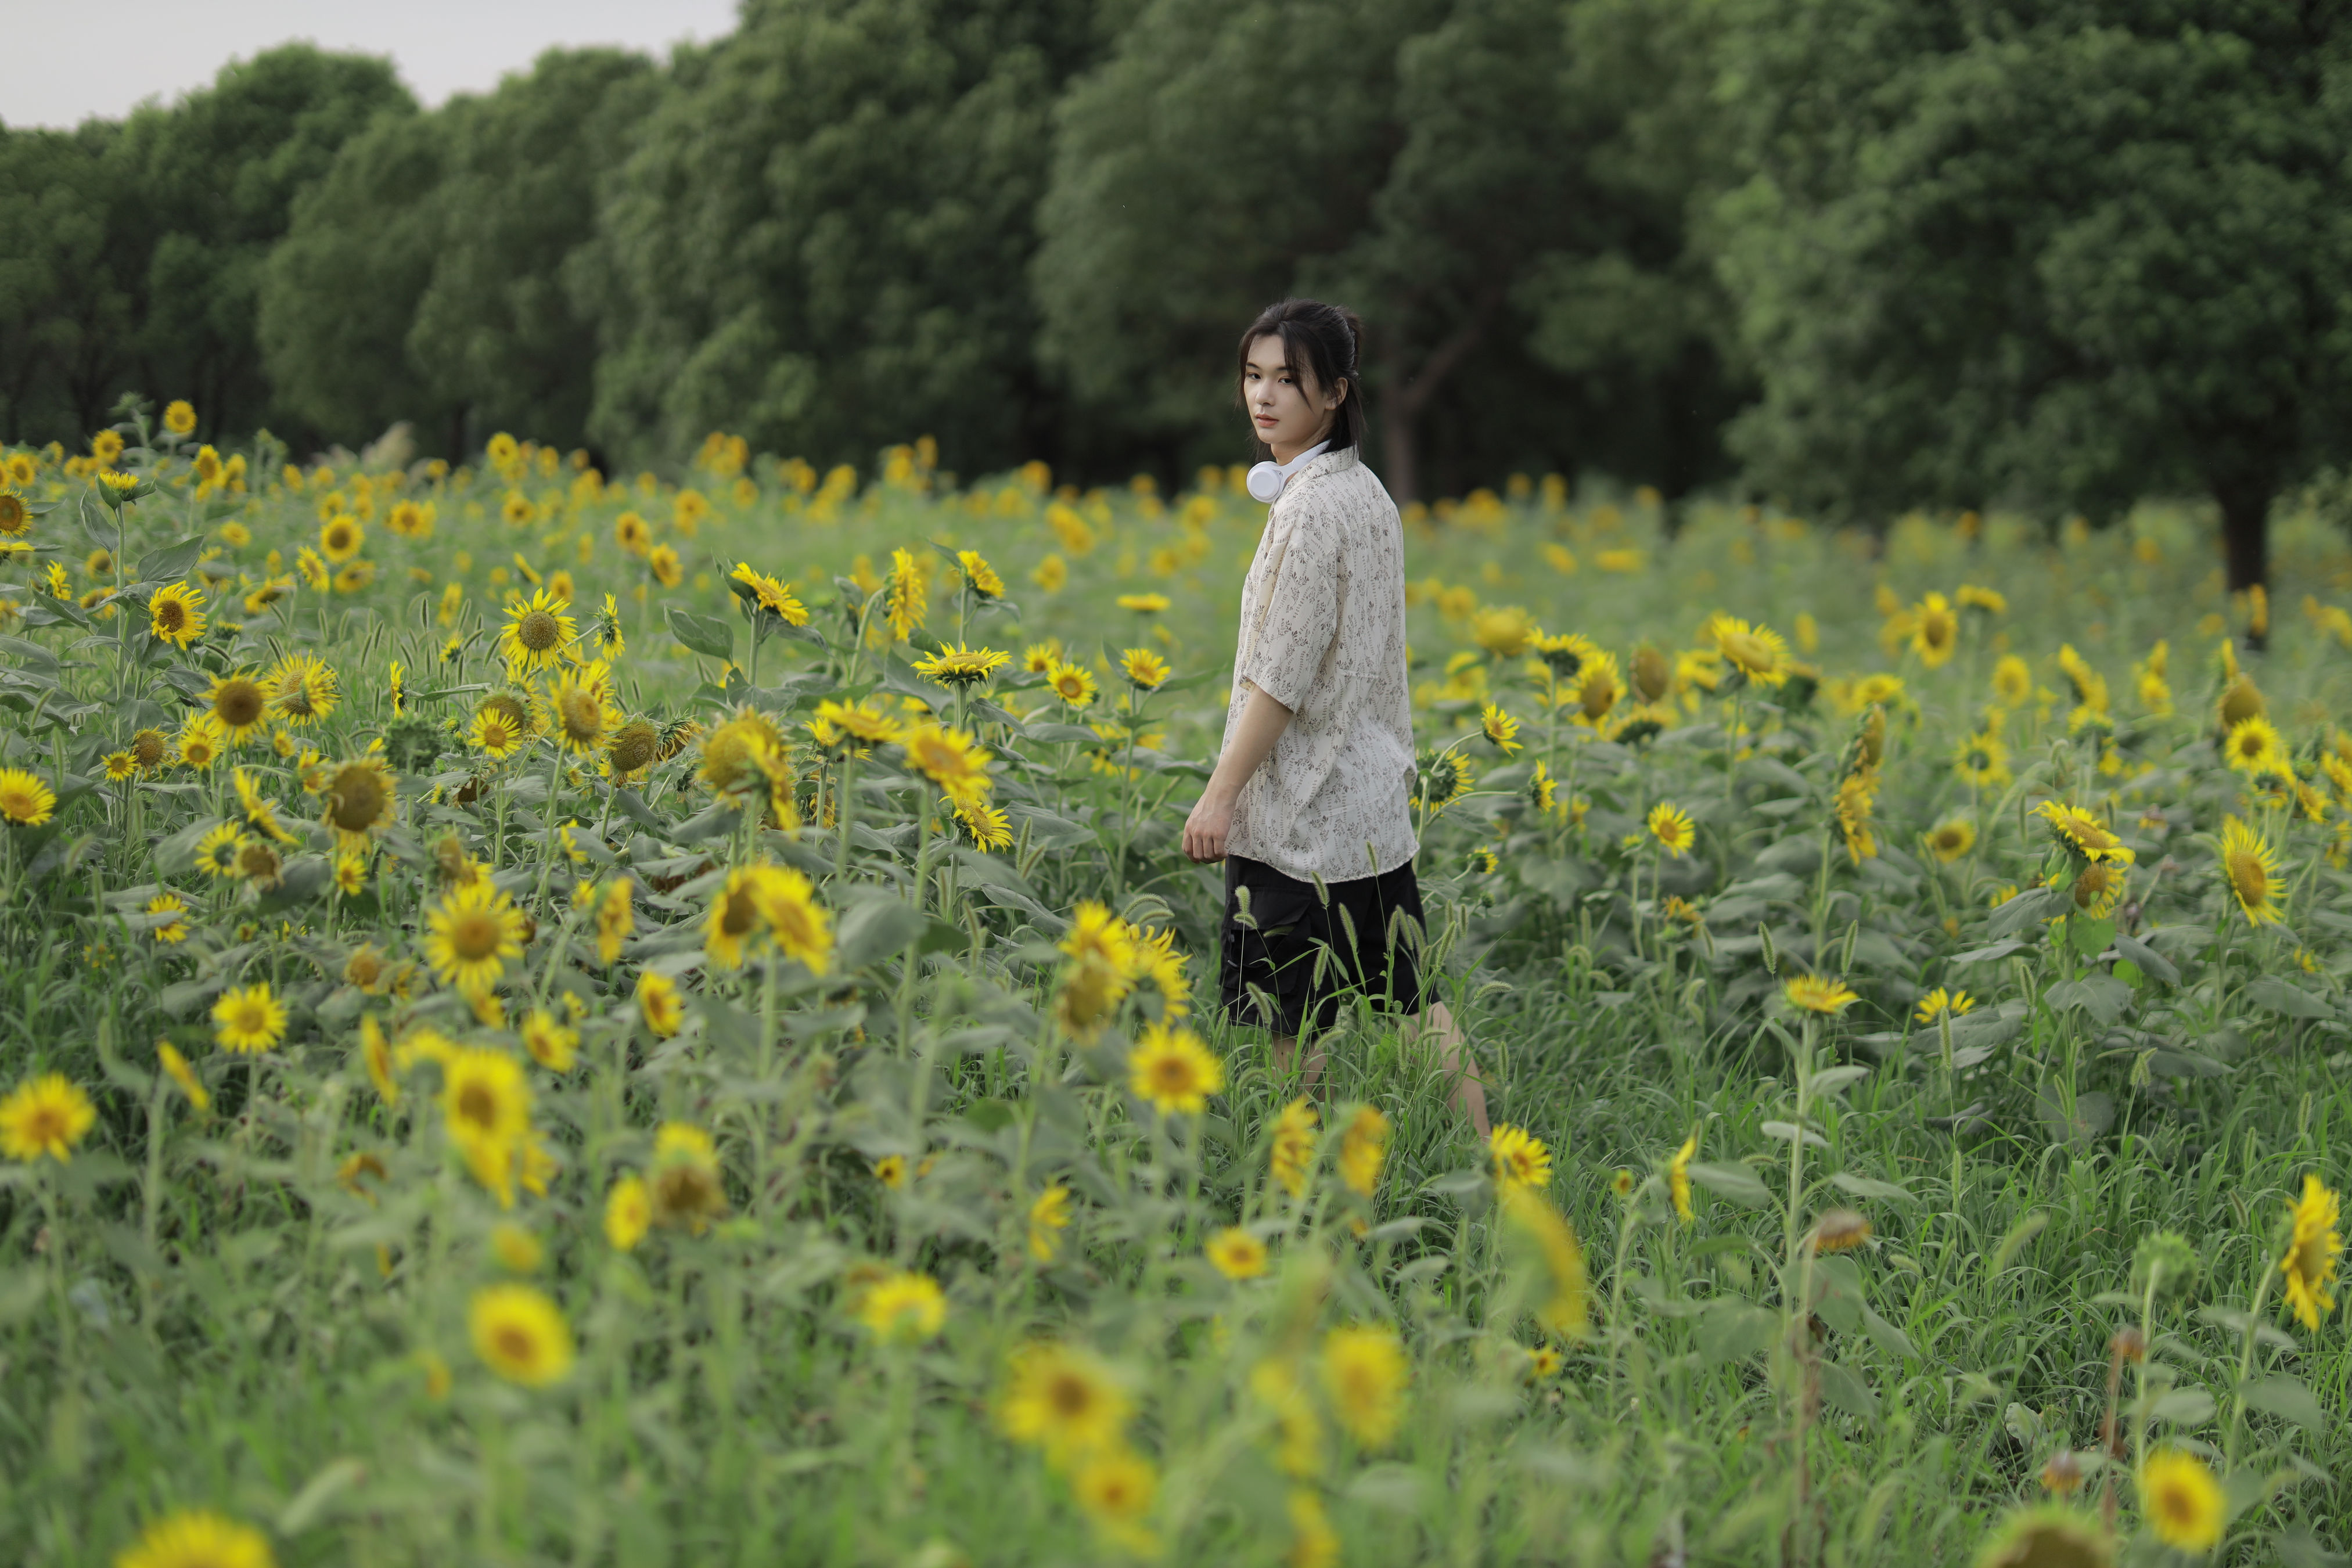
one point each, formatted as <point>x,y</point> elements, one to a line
<point>68,59</point>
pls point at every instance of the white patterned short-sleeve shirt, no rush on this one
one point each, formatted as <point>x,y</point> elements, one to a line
<point>1334,800</point>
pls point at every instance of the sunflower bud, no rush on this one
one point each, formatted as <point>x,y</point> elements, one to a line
<point>2166,1263</point>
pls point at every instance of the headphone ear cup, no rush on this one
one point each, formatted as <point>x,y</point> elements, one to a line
<point>1265,481</point>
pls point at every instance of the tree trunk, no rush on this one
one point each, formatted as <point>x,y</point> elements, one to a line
<point>1402,404</point>
<point>2245,541</point>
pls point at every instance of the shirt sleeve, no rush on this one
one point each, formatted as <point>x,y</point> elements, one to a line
<point>1302,616</point>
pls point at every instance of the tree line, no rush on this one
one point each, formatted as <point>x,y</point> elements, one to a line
<point>1856,256</point>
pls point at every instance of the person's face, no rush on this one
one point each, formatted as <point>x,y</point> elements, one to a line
<point>1290,412</point>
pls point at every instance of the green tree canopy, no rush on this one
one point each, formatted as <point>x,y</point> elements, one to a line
<point>424,277</point>
<point>2060,255</point>
<point>207,188</point>
<point>820,238</point>
<point>1443,167</point>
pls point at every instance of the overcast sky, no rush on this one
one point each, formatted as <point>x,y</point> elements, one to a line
<point>69,61</point>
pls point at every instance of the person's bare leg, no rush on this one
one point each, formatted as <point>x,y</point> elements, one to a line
<point>1286,1051</point>
<point>1469,1083</point>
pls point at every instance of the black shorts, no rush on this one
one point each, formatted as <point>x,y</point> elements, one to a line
<point>1307,951</point>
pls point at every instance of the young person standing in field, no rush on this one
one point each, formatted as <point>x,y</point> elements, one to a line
<point>1310,804</point>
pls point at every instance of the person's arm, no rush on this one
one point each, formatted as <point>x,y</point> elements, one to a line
<point>1262,724</point>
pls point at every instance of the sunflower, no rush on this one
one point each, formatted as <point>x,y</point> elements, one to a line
<point>1671,825</point>
<point>734,924</point>
<point>1364,1371</point>
<point>852,726</point>
<point>979,576</point>
<point>2312,1251</point>
<point>576,708</point>
<point>2240,700</point>
<point>1292,1157</point>
<point>1840,1230</point>
<point>950,760</point>
<point>1073,683</point>
<point>174,931</point>
<point>1637,725</point>
<point>1049,1215</point>
<point>238,703</point>
<point>302,690</point>
<point>1063,1400</point>
<point>1236,1253</point>
<point>2089,687</point>
<point>616,919</point>
<point>473,932</point>
<point>659,1005</point>
<point>2182,1500</point>
<point>631,533</point>
<point>259,815</point>
<point>1951,838</point>
<point>1364,1148</point>
<point>176,1068</point>
<point>1935,630</point>
<point>1938,1001</point>
<point>248,1020</point>
<point>687,1188</point>
<point>1566,1309</point>
<point>537,631</point>
<point>25,799</point>
<point>340,538</point>
<point>1145,671</point>
<point>957,665</point>
<point>1678,1184</point>
<point>175,614</point>
<point>1756,651</point>
<point>1518,1158</point>
<point>1500,728</point>
<point>197,1538</point>
<point>666,566</point>
<point>1566,653</point>
<point>515,511</point>
<point>258,862</point>
<point>361,801</point>
<point>15,518</point>
<point>2100,888</point>
<point>520,1334</point>
<point>1596,689</point>
<point>46,1115</point>
<point>768,597</point>
<point>628,1213</point>
<point>903,1307</point>
<point>2253,746</point>
<point>903,599</point>
<point>634,748</point>
<point>2080,833</point>
<point>1812,994</point>
<point>1982,761</point>
<point>1173,1071</point>
<point>1144,604</point>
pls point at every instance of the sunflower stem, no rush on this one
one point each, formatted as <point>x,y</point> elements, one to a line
<point>2246,1362</point>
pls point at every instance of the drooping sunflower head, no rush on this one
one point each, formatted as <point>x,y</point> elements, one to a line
<point>2240,700</point>
<point>1758,652</point>
<point>2082,834</point>
<point>359,801</point>
<point>634,747</point>
<point>1596,689</point>
<point>2099,887</point>
<point>1818,994</point>
<point>2313,1245</point>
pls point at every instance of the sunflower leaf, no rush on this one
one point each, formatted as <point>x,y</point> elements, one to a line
<point>2276,994</point>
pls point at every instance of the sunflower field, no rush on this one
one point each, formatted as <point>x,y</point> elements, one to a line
<point>555,1016</point>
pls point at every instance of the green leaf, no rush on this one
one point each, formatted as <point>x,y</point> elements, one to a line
<point>1736,1184</point>
<point>1843,1388</point>
<point>2028,910</point>
<point>705,634</point>
<point>1867,1187</point>
<point>2271,992</point>
<point>2287,1398</point>
<point>877,928</point>
<point>2012,1244</point>
<point>171,563</point>
<point>1731,1330</point>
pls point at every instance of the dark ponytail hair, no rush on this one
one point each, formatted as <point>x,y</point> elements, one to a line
<point>1323,341</point>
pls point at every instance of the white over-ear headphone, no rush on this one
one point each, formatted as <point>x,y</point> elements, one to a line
<point>1266,479</point>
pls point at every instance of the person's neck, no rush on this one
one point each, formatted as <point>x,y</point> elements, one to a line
<point>1290,453</point>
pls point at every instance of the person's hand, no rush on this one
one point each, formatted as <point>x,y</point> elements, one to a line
<point>1206,829</point>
